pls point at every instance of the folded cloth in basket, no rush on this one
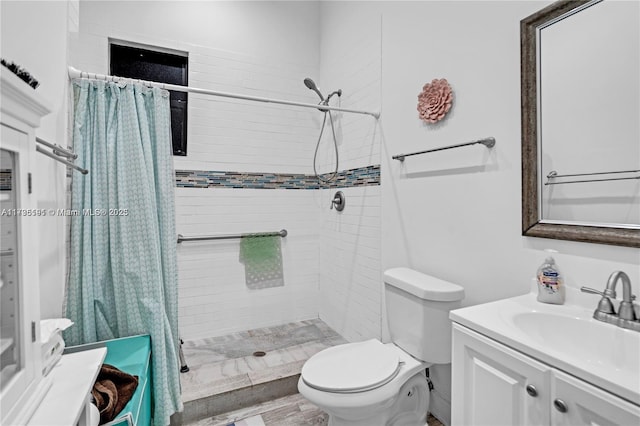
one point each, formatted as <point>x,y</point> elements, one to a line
<point>112,390</point>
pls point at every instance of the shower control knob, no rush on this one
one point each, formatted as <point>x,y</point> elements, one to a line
<point>338,201</point>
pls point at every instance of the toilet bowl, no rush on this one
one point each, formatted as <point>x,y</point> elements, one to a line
<point>367,384</point>
<point>372,383</point>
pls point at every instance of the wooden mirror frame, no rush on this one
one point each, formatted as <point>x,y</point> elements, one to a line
<point>531,225</point>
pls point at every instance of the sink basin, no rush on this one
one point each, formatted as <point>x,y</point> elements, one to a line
<point>592,341</point>
<point>565,337</point>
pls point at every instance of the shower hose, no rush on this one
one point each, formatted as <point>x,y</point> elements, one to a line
<point>333,175</point>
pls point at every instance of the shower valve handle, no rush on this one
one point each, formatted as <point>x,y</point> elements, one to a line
<point>338,201</point>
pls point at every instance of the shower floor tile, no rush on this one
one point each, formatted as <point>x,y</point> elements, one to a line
<point>225,363</point>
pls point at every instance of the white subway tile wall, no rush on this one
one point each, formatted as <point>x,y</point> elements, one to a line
<point>232,135</point>
<point>350,276</point>
<point>213,297</point>
<point>350,286</point>
<point>241,136</point>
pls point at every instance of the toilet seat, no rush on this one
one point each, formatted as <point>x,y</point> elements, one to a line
<point>351,367</point>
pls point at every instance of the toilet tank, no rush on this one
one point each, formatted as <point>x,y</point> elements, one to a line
<point>418,308</point>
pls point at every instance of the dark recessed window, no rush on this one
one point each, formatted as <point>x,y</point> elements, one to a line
<point>162,67</point>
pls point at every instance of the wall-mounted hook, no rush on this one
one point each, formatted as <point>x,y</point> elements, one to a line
<point>338,201</point>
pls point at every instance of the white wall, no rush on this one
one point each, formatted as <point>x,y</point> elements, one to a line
<point>350,296</point>
<point>253,48</point>
<point>456,214</point>
<point>256,48</point>
<point>285,31</point>
<point>34,36</point>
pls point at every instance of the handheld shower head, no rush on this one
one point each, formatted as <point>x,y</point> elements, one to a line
<point>312,85</point>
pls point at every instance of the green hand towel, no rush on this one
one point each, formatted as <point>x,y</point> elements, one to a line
<point>258,249</point>
<point>262,260</point>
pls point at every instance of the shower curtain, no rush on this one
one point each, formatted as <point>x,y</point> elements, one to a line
<point>122,267</point>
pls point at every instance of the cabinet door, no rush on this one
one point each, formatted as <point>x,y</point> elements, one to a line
<point>19,299</point>
<point>494,385</point>
<point>578,403</point>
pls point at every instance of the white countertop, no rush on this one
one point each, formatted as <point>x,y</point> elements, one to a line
<point>73,379</point>
<point>568,338</point>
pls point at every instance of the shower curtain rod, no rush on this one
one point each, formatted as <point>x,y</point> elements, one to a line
<point>74,73</point>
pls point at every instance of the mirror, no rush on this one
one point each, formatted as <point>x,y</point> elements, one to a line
<point>580,130</point>
<point>9,290</point>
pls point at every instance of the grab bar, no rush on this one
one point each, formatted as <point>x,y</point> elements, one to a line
<point>282,233</point>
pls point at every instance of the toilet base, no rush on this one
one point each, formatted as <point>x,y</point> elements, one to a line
<point>409,408</point>
<point>403,401</point>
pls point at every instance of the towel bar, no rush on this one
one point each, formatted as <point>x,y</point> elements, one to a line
<point>488,142</point>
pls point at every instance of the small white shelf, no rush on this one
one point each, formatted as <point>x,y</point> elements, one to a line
<point>73,379</point>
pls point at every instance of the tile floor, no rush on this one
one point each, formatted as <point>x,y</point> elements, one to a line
<point>226,365</point>
<point>291,410</point>
<point>221,364</point>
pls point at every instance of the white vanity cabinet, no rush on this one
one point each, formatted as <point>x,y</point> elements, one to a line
<point>496,385</point>
<point>588,405</point>
<point>490,381</point>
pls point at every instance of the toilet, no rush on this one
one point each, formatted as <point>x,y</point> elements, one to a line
<point>372,383</point>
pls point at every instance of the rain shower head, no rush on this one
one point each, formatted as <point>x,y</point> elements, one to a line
<point>312,85</point>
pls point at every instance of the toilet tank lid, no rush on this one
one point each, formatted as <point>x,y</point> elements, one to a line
<point>423,286</point>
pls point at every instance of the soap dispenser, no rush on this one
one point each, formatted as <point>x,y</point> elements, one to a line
<point>550,283</point>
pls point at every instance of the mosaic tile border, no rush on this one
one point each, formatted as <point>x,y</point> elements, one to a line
<point>362,176</point>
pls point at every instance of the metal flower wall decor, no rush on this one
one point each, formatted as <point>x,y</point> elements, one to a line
<point>435,100</point>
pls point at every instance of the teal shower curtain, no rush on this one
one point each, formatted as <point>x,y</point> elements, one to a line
<point>122,264</point>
